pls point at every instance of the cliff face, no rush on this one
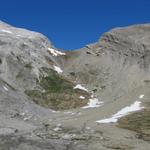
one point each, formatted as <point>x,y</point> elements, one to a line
<point>29,64</point>
<point>115,65</point>
<point>44,91</point>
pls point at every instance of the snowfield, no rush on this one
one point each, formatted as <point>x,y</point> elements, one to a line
<point>5,88</point>
<point>136,106</point>
<point>93,103</point>
<point>55,52</point>
<point>141,96</point>
<point>59,70</point>
<point>6,31</point>
<point>82,97</point>
<point>79,86</point>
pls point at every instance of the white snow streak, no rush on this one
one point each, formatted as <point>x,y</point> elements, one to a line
<point>59,70</point>
<point>82,97</point>
<point>79,86</point>
<point>5,88</point>
<point>123,112</point>
<point>141,96</point>
<point>55,52</point>
<point>27,118</point>
<point>57,129</point>
<point>19,35</point>
<point>94,102</point>
<point>68,112</point>
<point>6,31</point>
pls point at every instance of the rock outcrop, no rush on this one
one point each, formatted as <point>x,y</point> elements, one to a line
<point>116,64</point>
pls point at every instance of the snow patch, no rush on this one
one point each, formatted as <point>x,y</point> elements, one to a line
<point>55,52</point>
<point>19,35</point>
<point>88,128</point>
<point>6,31</point>
<point>67,112</point>
<point>141,96</point>
<point>57,129</point>
<point>59,70</point>
<point>68,136</point>
<point>59,125</point>
<point>70,113</point>
<point>82,97</point>
<point>54,111</point>
<point>5,88</point>
<point>79,86</point>
<point>23,114</point>
<point>27,118</point>
<point>123,112</point>
<point>73,113</point>
<point>93,102</point>
<point>92,96</point>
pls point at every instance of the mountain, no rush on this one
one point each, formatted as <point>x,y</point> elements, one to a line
<point>94,98</point>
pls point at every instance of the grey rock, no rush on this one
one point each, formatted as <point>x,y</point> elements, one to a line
<point>115,69</point>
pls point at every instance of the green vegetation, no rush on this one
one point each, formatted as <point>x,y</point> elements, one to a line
<point>119,147</point>
<point>57,93</point>
<point>139,122</point>
<point>55,83</point>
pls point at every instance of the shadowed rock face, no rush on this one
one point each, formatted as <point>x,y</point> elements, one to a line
<point>115,69</point>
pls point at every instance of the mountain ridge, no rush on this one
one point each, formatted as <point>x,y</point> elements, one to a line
<point>57,97</point>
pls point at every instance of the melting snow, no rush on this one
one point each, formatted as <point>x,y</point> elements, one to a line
<point>88,128</point>
<point>141,96</point>
<point>55,52</point>
<point>68,136</point>
<point>92,96</point>
<point>57,129</point>
<point>82,97</point>
<point>94,102</point>
<point>5,88</point>
<point>58,69</point>
<point>19,35</point>
<point>68,112</point>
<point>59,125</point>
<point>123,112</point>
<point>22,114</point>
<point>78,86</point>
<point>6,31</point>
<point>53,111</point>
<point>27,118</point>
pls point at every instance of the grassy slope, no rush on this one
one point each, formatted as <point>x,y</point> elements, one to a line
<point>58,93</point>
<point>139,122</point>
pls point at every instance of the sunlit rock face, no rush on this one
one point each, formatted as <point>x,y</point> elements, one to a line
<point>116,64</point>
<point>43,88</point>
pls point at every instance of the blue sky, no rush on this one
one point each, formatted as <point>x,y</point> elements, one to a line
<point>71,24</point>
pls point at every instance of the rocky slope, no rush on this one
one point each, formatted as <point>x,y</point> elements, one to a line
<point>54,100</point>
